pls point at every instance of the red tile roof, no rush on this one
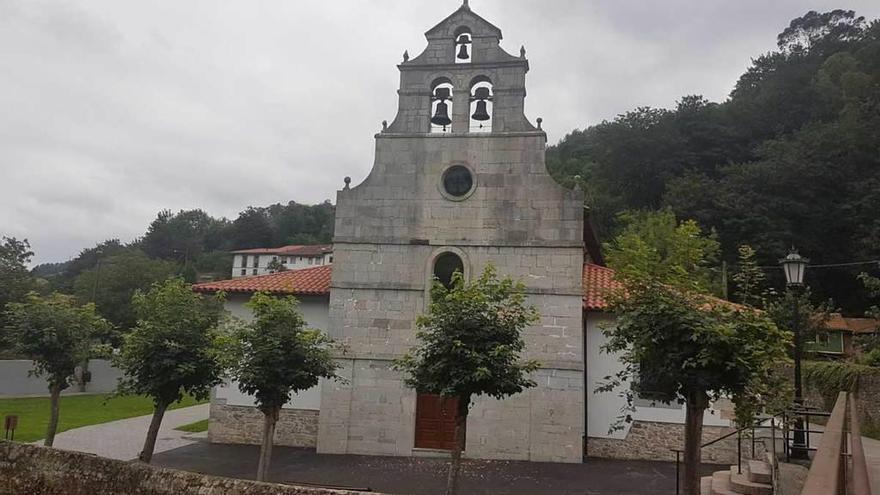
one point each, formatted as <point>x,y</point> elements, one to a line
<point>838,322</point>
<point>598,280</point>
<point>309,281</point>
<point>294,250</point>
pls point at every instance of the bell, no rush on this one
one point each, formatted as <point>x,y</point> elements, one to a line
<point>481,114</point>
<point>482,93</point>
<point>441,115</point>
<point>463,53</point>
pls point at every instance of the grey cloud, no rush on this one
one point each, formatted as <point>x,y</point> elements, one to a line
<point>111,110</point>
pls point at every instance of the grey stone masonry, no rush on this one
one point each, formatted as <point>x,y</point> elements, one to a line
<point>391,228</point>
<point>244,425</point>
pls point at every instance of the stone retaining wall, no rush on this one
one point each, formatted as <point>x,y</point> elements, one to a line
<point>32,470</point>
<point>244,425</point>
<point>652,441</point>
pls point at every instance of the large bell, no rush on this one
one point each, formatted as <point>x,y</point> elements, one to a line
<point>441,115</point>
<point>481,113</point>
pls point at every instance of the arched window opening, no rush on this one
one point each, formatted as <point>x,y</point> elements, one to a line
<point>441,106</point>
<point>445,266</point>
<point>463,46</point>
<point>481,106</point>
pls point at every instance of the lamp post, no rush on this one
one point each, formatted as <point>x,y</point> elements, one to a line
<point>795,266</point>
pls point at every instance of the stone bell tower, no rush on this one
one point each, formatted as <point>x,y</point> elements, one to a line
<point>459,181</point>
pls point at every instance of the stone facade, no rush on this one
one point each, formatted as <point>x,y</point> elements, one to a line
<point>243,425</point>
<point>32,470</point>
<point>653,442</point>
<point>391,229</point>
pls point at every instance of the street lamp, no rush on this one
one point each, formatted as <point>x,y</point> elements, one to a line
<point>795,266</point>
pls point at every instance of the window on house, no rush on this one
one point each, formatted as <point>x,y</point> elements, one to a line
<point>256,262</point>
<point>254,271</point>
<point>243,272</point>
<point>331,259</point>
<point>311,260</point>
<point>284,260</point>
<point>244,260</point>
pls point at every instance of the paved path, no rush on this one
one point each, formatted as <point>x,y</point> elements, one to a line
<point>421,476</point>
<point>124,439</point>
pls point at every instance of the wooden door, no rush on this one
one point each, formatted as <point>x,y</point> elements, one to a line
<point>435,422</point>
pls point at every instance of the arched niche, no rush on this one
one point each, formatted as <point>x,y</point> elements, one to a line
<point>441,105</point>
<point>464,46</point>
<point>482,105</point>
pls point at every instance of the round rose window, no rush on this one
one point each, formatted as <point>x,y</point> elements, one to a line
<point>458,181</point>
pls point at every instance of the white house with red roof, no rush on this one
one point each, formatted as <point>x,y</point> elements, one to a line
<point>253,262</point>
<point>459,182</point>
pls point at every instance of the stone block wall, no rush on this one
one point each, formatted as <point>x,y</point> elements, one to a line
<point>652,441</point>
<point>33,470</point>
<point>244,425</point>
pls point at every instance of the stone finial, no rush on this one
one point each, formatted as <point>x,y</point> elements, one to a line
<point>522,51</point>
<point>384,125</point>
<point>465,4</point>
<point>540,122</point>
<point>406,55</point>
<point>347,183</point>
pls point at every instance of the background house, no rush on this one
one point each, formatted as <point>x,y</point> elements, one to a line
<point>838,339</point>
<point>253,262</point>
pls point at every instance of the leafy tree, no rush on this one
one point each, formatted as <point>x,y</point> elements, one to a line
<point>184,235</point>
<point>694,349</point>
<point>57,334</point>
<point>115,279</point>
<point>471,345</point>
<point>15,279</point>
<point>276,266</point>
<point>174,349</point>
<point>252,229</point>
<point>750,280</point>
<point>277,357</point>
<point>655,243</point>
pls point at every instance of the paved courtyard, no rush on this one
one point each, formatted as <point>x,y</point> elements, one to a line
<point>396,475</point>
<point>124,439</point>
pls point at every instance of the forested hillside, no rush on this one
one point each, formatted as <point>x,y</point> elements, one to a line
<point>791,158</point>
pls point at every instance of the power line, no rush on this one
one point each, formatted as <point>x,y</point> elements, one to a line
<point>830,265</point>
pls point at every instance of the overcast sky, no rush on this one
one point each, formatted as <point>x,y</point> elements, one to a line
<point>111,110</point>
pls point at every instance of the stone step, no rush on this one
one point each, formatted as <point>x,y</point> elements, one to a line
<point>706,485</point>
<point>740,483</point>
<point>760,472</point>
<point>721,484</point>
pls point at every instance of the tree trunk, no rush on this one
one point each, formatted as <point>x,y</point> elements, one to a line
<point>153,432</point>
<point>460,426</point>
<point>693,438</point>
<point>270,418</point>
<point>54,405</point>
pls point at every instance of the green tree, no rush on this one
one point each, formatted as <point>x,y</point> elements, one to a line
<point>15,279</point>
<point>276,266</point>
<point>174,349</point>
<point>115,279</point>
<point>470,345</point>
<point>676,342</point>
<point>276,357</point>
<point>252,229</point>
<point>655,243</point>
<point>57,334</point>
<point>693,349</point>
<point>750,280</point>
<point>184,235</point>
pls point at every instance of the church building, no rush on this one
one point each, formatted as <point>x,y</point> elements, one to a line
<point>459,181</point>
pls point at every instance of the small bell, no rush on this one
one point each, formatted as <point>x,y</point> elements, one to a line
<point>481,114</point>
<point>441,115</point>
<point>463,52</point>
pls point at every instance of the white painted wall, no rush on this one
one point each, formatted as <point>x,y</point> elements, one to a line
<point>263,260</point>
<point>603,409</point>
<point>315,310</point>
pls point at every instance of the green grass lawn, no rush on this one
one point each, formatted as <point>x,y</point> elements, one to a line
<point>197,427</point>
<point>75,411</point>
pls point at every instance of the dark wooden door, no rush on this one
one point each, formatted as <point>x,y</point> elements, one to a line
<point>435,422</point>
